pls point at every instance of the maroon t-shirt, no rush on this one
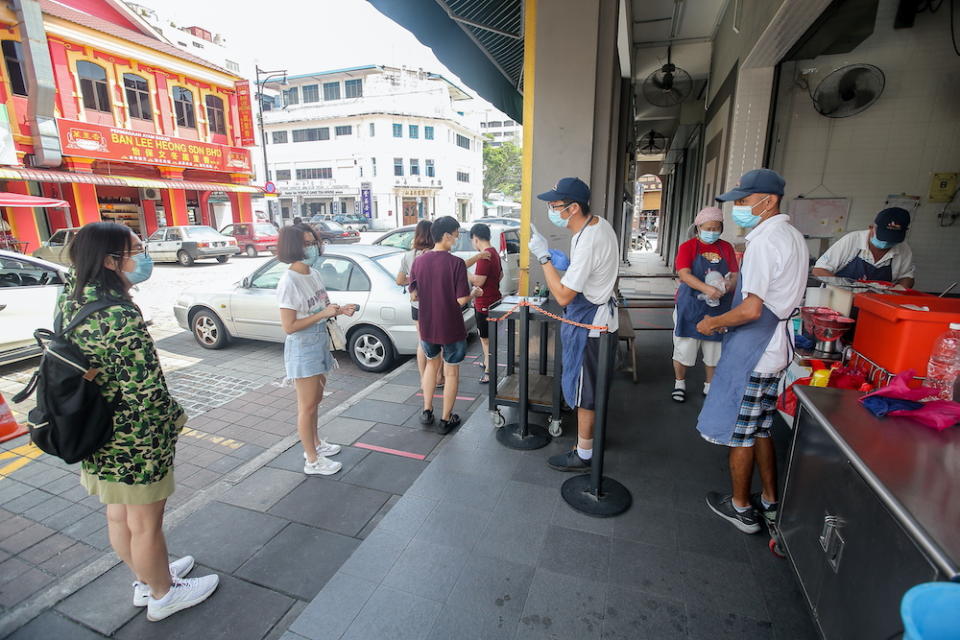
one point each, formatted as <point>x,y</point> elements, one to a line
<point>491,288</point>
<point>439,278</point>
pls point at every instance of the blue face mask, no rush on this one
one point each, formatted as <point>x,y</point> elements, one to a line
<point>556,218</point>
<point>743,215</point>
<point>142,270</point>
<point>881,244</point>
<point>709,237</point>
<point>311,254</point>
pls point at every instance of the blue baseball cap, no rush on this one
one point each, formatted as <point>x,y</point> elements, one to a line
<point>891,224</point>
<point>573,189</point>
<point>756,181</point>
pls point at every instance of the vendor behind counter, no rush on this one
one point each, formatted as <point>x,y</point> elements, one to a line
<point>876,253</point>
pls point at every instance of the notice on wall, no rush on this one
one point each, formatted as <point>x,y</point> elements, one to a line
<point>820,217</point>
<point>247,134</point>
<point>90,140</point>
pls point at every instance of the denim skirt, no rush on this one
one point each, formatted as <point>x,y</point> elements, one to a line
<point>306,353</point>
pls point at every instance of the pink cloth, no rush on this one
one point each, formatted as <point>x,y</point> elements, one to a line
<point>708,214</point>
<point>938,414</point>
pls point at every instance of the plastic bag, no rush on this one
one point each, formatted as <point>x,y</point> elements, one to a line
<point>787,402</point>
<point>716,280</point>
<point>938,414</point>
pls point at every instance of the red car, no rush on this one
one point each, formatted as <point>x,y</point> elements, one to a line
<point>253,237</point>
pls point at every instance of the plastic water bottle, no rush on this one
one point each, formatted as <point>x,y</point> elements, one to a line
<point>944,364</point>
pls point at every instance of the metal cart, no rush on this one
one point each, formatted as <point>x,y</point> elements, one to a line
<point>538,391</point>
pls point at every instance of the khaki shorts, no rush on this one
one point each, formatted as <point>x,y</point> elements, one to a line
<point>685,349</point>
<point>121,493</point>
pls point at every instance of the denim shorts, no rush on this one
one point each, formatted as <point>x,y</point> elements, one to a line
<point>453,353</point>
<point>306,353</point>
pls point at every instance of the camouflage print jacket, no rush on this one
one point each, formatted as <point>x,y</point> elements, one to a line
<point>147,419</point>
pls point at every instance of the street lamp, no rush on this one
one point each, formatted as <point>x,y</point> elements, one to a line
<point>267,76</point>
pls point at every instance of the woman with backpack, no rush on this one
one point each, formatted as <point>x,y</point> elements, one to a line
<point>305,310</point>
<point>133,472</point>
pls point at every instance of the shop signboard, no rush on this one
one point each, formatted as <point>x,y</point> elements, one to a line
<point>247,135</point>
<point>89,140</point>
<point>366,204</point>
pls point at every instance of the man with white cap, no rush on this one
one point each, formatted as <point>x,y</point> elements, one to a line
<point>586,293</point>
<point>707,268</point>
<point>739,409</point>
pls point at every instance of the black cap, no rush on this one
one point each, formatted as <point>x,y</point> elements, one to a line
<point>756,181</point>
<point>891,224</point>
<point>573,189</point>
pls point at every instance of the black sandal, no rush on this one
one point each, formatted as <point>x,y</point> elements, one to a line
<point>485,378</point>
<point>679,395</point>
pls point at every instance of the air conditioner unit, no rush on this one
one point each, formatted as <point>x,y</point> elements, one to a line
<point>149,193</point>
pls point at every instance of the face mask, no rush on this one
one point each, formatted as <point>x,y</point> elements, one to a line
<point>556,218</point>
<point>709,237</point>
<point>743,215</point>
<point>311,254</point>
<point>881,244</point>
<point>143,268</point>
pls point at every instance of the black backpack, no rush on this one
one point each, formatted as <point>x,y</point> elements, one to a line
<point>72,418</point>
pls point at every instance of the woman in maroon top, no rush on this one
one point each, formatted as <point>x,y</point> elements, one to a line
<point>487,276</point>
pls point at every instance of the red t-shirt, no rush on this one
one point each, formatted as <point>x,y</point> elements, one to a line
<point>491,288</point>
<point>439,278</point>
<point>688,251</point>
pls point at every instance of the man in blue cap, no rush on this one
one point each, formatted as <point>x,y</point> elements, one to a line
<point>740,406</point>
<point>586,293</point>
<point>876,253</point>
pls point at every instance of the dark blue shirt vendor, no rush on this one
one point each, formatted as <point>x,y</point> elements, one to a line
<point>586,293</point>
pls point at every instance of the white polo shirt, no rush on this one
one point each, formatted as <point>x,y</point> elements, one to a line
<point>594,266</point>
<point>857,244</point>
<point>774,269</point>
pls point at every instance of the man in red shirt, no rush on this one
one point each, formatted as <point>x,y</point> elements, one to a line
<point>486,276</point>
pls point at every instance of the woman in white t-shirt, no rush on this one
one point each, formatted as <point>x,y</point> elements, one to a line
<point>305,309</point>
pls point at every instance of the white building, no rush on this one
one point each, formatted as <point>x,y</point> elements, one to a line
<point>382,141</point>
<point>500,128</point>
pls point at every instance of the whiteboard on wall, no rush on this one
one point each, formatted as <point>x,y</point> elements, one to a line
<point>820,217</point>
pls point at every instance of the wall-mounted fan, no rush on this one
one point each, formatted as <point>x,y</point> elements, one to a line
<point>667,86</point>
<point>652,143</point>
<point>848,90</point>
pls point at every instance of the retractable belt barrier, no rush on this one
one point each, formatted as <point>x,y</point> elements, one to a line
<point>593,494</point>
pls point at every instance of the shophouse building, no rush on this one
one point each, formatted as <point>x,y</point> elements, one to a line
<point>386,142</point>
<point>117,122</point>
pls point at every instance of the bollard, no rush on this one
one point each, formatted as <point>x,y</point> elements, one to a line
<point>594,494</point>
<point>521,434</point>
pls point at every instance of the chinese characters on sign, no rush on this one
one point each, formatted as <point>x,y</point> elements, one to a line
<point>365,204</point>
<point>246,117</point>
<point>112,143</point>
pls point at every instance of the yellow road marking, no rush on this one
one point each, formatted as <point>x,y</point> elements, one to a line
<point>21,457</point>
<point>209,437</point>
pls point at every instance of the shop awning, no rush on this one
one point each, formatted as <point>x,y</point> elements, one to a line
<point>21,200</point>
<point>40,175</point>
<point>479,40</point>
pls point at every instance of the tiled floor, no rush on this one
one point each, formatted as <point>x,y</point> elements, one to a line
<point>482,546</point>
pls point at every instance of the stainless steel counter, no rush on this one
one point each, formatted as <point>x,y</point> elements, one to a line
<point>914,470</point>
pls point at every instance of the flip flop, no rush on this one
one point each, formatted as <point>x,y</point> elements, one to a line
<point>679,395</point>
<point>485,378</point>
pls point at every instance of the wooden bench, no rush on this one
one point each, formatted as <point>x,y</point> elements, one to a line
<point>626,334</point>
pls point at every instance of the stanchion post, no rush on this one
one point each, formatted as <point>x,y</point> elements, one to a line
<point>524,373</point>
<point>600,415</point>
<point>511,344</point>
<point>493,326</point>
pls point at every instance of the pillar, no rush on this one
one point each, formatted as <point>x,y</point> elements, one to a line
<point>149,216</point>
<point>23,220</point>
<point>175,206</point>
<point>241,204</point>
<point>206,216</point>
<point>83,202</point>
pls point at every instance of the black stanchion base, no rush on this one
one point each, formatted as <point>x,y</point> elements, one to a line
<point>536,438</point>
<point>612,501</point>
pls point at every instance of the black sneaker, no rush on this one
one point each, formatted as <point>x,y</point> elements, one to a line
<point>569,461</point>
<point>722,505</point>
<point>769,514</point>
<point>446,426</point>
<point>426,417</point>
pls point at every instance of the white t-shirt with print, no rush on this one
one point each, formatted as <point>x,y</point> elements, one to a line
<point>304,293</point>
<point>594,266</point>
<point>406,264</point>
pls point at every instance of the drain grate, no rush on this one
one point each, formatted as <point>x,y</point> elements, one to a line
<point>199,392</point>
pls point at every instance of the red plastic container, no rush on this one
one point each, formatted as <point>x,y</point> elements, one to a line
<point>897,338</point>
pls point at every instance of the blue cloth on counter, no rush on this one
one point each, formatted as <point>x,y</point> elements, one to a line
<point>801,341</point>
<point>881,406</point>
<point>559,259</point>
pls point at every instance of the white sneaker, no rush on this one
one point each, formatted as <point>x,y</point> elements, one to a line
<point>322,467</point>
<point>183,594</point>
<point>325,449</point>
<point>178,569</point>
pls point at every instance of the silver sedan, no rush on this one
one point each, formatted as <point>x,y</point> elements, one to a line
<point>353,274</point>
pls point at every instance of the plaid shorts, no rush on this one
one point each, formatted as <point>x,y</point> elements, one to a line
<point>757,407</point>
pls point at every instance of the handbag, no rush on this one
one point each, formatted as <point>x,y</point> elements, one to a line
<point>338,340</point>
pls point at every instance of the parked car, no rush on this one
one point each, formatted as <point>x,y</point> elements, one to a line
<point>508,222</point>
<point>55,249</point>
<point>252,238</point>
<point>505,239</point>
<point>332,232</point>
<point>187,244</point>
<point>377,334</point>
<point>353,222</point>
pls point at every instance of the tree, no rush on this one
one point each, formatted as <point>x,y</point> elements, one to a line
<point>501,170</point>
